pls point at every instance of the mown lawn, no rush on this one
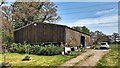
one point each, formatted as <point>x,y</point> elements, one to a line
<point>110,59</point>
<point>16,59</point>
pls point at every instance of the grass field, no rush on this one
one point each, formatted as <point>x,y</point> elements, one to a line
<point>110,59</point>
<point>15,60</point>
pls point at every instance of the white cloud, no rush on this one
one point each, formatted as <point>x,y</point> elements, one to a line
<point>106,24</point>
<point>105,11</point>
<point>104,20</point>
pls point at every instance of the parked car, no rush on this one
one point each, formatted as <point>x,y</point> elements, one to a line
<point>104,45</point>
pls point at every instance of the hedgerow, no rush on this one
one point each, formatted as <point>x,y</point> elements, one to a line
<point>35,49</point>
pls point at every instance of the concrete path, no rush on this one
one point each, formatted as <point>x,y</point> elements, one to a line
<point>89,58</point>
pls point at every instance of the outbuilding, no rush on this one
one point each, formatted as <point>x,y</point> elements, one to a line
<point>38,33</point>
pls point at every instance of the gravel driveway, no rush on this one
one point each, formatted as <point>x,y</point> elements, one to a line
<point>89,58</point>
<point>93,59</point>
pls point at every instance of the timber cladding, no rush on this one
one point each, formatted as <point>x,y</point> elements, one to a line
<point>88,40</point>
<point>40,33</point>
<point>72,37</point>
<point>37,33</point>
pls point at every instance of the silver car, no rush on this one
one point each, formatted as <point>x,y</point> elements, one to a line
<point>104,45</point>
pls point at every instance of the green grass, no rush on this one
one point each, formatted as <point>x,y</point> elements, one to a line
<point>111,58</point>
<point>97,46</point>
<point>15,60</point>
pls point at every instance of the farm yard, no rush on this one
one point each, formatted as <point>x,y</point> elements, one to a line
<point>112,58</point>
<point>42,34</point>
<point>83,58</point>
<point>38,60</point>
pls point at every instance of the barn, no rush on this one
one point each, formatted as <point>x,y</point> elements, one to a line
<point>38,33</point>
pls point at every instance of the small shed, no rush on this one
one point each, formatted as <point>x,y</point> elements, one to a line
<point>38,33</point>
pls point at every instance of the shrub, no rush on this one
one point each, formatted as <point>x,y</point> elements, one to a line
<point>35,49</point>
<point>13,47</point>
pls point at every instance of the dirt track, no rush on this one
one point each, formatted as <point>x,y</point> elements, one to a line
<point>93,59</point>
<point>89,58</point>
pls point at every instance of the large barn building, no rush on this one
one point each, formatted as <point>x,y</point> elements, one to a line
<point>38,33</point>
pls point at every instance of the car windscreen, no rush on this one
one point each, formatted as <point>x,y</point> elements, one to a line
<point>103,43</point>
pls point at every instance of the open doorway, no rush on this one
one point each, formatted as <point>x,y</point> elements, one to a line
<point>83,41</point>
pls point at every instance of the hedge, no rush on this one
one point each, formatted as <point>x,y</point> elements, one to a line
<point>35,49</point>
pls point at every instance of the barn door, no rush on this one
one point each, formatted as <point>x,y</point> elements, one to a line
<point>83,41</point>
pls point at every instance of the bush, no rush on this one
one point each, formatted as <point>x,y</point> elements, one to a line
<point>36,49</point>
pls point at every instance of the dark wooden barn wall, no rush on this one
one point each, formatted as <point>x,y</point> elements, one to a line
<point>72,37</point>
<point>88,40</point>
<point>50,33</point>
<point>40,33</point>
<point>46,33</point>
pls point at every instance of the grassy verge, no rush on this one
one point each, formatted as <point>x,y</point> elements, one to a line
<point>15,60</point>
<point>97,46</point>
<point>37,60</point>
<point>110,59</point>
